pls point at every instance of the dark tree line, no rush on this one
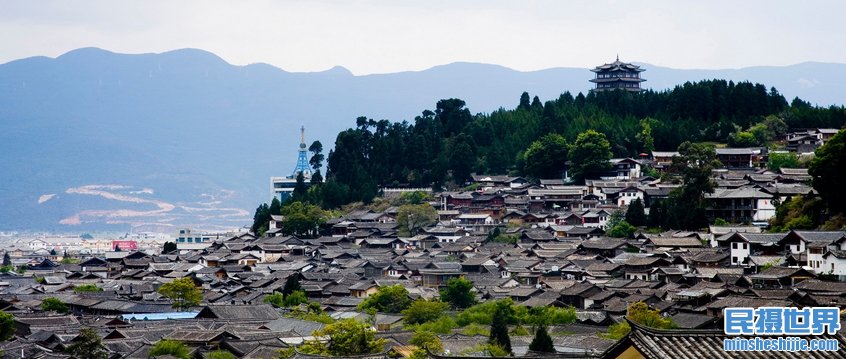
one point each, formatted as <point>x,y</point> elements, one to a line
<point>441,148</point>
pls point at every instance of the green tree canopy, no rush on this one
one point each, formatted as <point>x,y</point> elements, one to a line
<point>542,342</point>
<point>168,247</point>
<point>827,169</point>
<point>170,347</point>
<point>622,230</point>
<point>428,340</point>
<point>54,305</point>
<point>87,288</point>
<point>7,326</point>
<point>302,219</point>
<point>219,354</point>
<point>589,155</point>
<point>275,299</point>
<point>416,197</point>
<point>387,299</point>
<point>499,326</point>
<point>316,160</point>
<point>685,207</point>
<point>635,214</point>
<point>296,298</point>
<point>524,104</point>
<point>292,284</point>
<point>459,293</point>
<point>421,311</point>
<point>87,345</point>
<point>644,137</point>
<point>777,161</point>
<point>546,157</point>
<point>182,292</point>
<point>261,219</point>
<point>346,337</point>
<point>411,218</point>
<point>640,313</point>
<point>300,193</point>
<point>742,139</point>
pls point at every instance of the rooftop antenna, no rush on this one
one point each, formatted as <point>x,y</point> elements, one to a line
<point>618,57</point>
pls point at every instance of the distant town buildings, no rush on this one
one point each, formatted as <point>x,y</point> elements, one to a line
<point>187,240</point>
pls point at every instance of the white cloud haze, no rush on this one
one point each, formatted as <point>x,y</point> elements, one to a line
<point>389,36</point>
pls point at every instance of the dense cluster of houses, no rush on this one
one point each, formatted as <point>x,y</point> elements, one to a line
<point>556,254</point>
<point>688,276</point>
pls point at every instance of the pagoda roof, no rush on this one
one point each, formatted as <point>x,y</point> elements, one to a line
<point>618,66</point>
<point>617,79</point>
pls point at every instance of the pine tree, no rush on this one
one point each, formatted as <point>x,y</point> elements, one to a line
<point>316,160</point>
<point>542,341</point>
<point>261,219</point>
<point>524,101</point>
<point>7,260</point>
<point>292,284</point>
<point>635,214</point>
<point>499,327</point>
<point>88,345</point>
<point>168,247</point>
<point>275,207</point>
<point>300,189</point>
<point>657,212</point>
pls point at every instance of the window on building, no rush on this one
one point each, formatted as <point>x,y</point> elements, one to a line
<point>734,245</point>
<point>744,245</point>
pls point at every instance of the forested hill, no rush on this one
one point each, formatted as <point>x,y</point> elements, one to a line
<point>445,145</point>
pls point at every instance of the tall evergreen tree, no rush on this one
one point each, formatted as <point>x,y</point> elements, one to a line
<point>316,160</point>
<point>87,345</point>
<point>656,216</point>
<point>542,342</point>
<point>300,189</point>
<point>524,102</point>
<point>537,106</point>
<point>7,260</point>
<point>686,204</point>
<point>499,327</point>
<point>261,219</point>
<point>827,169</point>
<point>292,284</point>
<point>636,214</point>
<point>275,207</point>
<point>168,247</point>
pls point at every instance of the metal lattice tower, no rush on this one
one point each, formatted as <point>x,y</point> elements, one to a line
<point>302,158</point>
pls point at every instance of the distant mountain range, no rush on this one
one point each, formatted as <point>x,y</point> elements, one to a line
<point>95,140</point>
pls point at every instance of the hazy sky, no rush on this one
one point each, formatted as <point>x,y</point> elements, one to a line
<point>388,36</point>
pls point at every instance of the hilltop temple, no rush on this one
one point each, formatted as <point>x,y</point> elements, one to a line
<point>617,75</point>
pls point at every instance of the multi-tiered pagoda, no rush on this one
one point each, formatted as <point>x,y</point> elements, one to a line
<point>617,75</point>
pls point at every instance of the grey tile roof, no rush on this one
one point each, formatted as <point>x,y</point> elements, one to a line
<point>699,344</point>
